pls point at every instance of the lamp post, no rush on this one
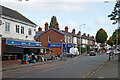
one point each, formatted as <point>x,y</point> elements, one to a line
<point>80,37</point>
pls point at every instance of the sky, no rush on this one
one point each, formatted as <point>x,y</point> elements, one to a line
<point>71,13</point>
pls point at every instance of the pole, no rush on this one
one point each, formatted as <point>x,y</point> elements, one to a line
<point>80,42</point>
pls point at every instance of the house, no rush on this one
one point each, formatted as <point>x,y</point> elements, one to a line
<point>17,33</point>
<point>55,38</point>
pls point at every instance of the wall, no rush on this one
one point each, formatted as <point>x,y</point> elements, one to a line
<point>57,50</point>
<point>54,36</point>
<point>0,46</point>
<point>3,46</point>
<point>13,34</point>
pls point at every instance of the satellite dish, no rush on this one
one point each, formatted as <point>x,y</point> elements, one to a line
<point>0,22</point>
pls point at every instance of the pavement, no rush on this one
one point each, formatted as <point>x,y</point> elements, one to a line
<point>28,65</point>
<point>109,69</point>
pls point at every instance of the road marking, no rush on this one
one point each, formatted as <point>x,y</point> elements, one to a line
<point>95,70</point>
<point>101,77</point>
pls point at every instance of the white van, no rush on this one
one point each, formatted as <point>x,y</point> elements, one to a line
<point>74,51</point>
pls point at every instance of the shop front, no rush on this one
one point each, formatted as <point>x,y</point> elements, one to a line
<point>59,48</point>
<point>14,49</point>
<point>68,46</point>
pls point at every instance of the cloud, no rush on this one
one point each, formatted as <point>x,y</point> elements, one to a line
<point>43,5</point>
<point>102,21</point>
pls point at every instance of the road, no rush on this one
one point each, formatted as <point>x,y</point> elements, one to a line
<point>76,67</point>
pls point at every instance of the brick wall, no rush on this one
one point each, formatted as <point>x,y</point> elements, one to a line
<point>55,37</point>
<point>3,46</point>
<point>57,50</point>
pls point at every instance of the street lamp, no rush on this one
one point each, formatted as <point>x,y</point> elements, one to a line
<point>80,37</point>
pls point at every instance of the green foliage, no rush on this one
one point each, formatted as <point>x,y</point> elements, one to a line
<point>92,49</point>
<point>82,49</point>
<point>110,41</point>
<point>53,22</point>
<point>115,15</point>
<point>116,35</point>
<point>87,47</point>
<point>101,36</point>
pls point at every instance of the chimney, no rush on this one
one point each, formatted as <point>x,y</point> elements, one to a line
<point>57,26</point>
<point>73,31</point>
<point>88,35</point>
<point>79,33</point>
<point>46,26</point>
<point>66,29</point>
<point>39,29</point>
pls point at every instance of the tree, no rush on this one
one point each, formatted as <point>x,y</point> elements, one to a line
<point>53,22</point>
<point>110,41</point>
<point>115,15</point>
<point>87,48</point>
<point>101,36</point>
<point>116,35</point>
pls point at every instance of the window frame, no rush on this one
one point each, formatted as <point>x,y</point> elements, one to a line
<point>7,26</point>
<point>17,29</point>
<point>22,29</point>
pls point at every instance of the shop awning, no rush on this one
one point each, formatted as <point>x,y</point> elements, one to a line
<point>13,49</point>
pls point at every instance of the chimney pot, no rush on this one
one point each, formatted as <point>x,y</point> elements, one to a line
<point>57,26</point>
<point>39,29</point>
<point>66,29</point>
<point>46,26</point>
<point>73,31</point>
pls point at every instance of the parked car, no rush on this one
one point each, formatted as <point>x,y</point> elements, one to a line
<point>108,51</point>
<point>92,53</point>
<point>116,52</point>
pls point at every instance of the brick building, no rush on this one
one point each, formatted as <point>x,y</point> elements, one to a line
<point>54,38</point>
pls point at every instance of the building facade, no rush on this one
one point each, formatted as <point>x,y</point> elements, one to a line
<point>55,38</point>
<point>17,32</point>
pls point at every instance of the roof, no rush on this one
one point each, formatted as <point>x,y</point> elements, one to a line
<point>14,14</point>
<point>61,32</point>
<point>42,32</point>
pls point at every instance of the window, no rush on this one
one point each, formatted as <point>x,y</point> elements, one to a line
<point>7,26</point>
<point>29,31</point>
<point>17,28</point>
<point>48,38</point>
<point>68,39</point>
<point>22,30</point>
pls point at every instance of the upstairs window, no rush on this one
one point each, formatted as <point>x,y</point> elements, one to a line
<point>7,26</point>
<point>29,31</point>
<point>22,30</point>
<point>17,28</point>
<point>48,38</point>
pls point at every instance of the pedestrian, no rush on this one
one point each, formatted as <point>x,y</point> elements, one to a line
<point>61,56</point>
<point>26,59</point>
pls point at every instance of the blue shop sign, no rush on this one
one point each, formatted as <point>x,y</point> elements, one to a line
<point>13,42</point>
<point>58,45</point>
<point>55,44</point>
<point>68,45</point>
